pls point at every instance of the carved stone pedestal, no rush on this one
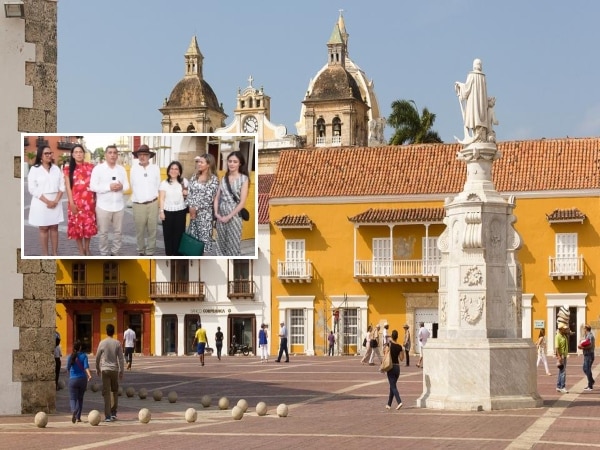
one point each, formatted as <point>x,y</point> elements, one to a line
<point>479,375</point>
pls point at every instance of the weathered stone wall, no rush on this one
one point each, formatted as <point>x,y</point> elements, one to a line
<point>35,313</point>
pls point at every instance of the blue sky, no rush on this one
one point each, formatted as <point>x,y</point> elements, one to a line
<point>118,60</point>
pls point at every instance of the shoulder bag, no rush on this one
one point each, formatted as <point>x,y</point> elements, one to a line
<point>386,362</point>
<point>244,213</point>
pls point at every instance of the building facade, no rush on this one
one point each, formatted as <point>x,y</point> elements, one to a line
<point>383,230</point>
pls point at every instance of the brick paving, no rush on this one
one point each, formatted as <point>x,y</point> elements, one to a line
<point>334,402</point>
<point>68,248</point>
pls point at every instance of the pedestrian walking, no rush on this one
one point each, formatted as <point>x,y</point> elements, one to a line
<point>263,343</point>
<point>79,375</point>
<point>367,344</point>
<point>202,342</point>
<point>588,345</point>
<point>393,374</point>
<point>407,343</point>
<point>129,339</point>
<point>219,342</point>
<point>283,343</point>
<point>57,363</point>
<point>542,348</point>
<point>375,346</point>
<point>110,365</point>
<point>561,351</point>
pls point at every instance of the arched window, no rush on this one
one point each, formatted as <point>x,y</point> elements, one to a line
<point>336,126</point>
<point>321,127</point>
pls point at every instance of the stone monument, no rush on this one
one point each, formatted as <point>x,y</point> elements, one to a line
<point>479,360</point>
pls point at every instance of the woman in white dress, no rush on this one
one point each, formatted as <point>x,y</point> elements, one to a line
<point>46,185</point>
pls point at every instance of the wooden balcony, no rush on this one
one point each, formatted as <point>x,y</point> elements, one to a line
<point>243,289</point>
<point>190,291</point>
<point>295,271</point>
<point>568,268</point>
<point>395,271</point>
<point>92,292</point>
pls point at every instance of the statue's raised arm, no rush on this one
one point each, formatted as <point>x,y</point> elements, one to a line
<point>473,99</point>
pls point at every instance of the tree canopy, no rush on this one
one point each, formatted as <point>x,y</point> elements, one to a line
<point>410,126</point>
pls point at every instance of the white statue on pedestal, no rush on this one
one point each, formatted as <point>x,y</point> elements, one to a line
<point>477,109</point>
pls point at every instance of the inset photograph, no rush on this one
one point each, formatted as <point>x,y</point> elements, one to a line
<point>169,195</point>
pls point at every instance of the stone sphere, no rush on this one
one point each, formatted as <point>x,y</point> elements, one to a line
<point>41,419</point>
<point>144,415</point>
<point>61,384</point>
<point>172,396</point>
<point>282,410</point>
<point>94,417</point>
<point>243,404</point>
<point>237,413</point>
<point>223,403</point>
<point>120,391</point>
<point>206,401</point>
<point>95,387</point>
<point>157,395</point>
<point>142,393</point>
<point>261,409</point>
<point>130,392</point>
<point>190,415</point>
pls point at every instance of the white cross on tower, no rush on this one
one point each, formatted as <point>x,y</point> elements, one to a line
<point>250,80</point>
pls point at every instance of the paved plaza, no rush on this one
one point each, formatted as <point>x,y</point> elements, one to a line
<point>334,402</point>
<point>68,248</point>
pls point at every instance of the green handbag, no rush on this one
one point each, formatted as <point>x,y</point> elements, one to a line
<point>190,246</point>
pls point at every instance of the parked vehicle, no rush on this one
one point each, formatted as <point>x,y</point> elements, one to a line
<point>235,348</point>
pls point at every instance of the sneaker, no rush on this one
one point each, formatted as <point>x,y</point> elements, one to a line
<point>387,406</point>
<point>588,389</point>
<point>399,406</point>
<point>108,419</point>
<point>113,418</point>
<point>563,391</point>
<point>74,417</point>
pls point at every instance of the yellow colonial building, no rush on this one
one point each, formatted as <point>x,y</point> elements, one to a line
<point>355,230</point>
<point>91,293</point>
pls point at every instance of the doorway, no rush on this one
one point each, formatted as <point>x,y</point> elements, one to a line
<point>135,321</point>
<point>169,334</point>
<point>243,328</point>
<point>572,327</point>
<point>83,331</point>
<point>191,325</point>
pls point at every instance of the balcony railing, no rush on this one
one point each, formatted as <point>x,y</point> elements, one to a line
<point>116,292</point>
<point>396,270</point>
<point>336,140</point>
<point>295,271</point>
<point>177,290</point>
<point>565,267</point>
<point>65,145</point>
<point>240,289</point>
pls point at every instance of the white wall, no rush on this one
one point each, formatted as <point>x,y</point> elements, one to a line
<point>14,52</point>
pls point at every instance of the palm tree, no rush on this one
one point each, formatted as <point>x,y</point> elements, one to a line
<point>411,128</point>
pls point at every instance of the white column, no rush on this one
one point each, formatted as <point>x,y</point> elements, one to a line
<point>526,315</point>
<point>180,334</point>
<point>158,334</point>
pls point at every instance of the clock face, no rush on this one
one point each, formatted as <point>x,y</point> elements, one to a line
<point>250,124</point>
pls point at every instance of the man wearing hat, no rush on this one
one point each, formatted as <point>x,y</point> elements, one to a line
<point>407,344</point>
<point>145,180</point>
<point>283,344</point>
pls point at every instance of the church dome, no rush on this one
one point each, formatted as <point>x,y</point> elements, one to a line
<point>190,92</point>
<point>335,83</point>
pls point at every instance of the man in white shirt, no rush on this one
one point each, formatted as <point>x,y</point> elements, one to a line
<point>283,344</point>
<point>108,181</point>
<point>129,345</point>
<point>145,180</point>
<point>423,335</point>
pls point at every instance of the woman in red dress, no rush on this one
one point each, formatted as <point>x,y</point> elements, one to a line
<point>82,201</point>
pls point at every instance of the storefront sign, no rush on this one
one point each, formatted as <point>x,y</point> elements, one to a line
<point>208,311</point>
<point>538,324</point>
